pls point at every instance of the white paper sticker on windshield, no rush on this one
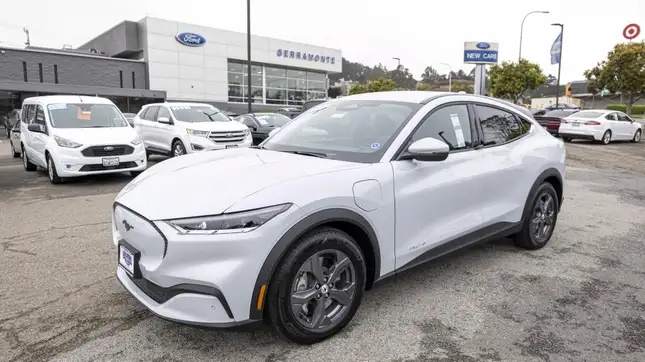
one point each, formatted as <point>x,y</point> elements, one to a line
<point>179,108</point>
<point>262,121</point>
<point>338,115</point>
<point>459,134</point>
<point>52,107</point>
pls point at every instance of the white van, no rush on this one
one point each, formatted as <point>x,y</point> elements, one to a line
<point>174,129</point>
<point>76,136</point>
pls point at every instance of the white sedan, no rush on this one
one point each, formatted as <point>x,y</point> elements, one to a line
<point>600,125</point>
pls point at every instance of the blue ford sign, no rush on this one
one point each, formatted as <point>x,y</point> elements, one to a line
<point>309,57</point>
<point>480,52</point>
<point>483,46</point>
<point>190,39</point>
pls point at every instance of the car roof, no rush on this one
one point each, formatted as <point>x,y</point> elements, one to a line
<point>67,99</point>
<point>396,96</point>
<point>180,104</point>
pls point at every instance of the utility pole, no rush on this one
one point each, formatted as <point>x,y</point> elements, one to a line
<point>399,63</point>
<point>449,76</point>
<point>28,42</point>
<point>522,28</point>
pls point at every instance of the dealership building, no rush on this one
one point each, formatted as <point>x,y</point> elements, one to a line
<point>152,60</point>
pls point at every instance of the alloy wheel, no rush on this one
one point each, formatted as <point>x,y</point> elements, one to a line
<point>24,158</point>
<point>606,137</point>
<point>178,150</point>
<point>50,168</point>
<point>323,290</point>
<point>637,137</point>
<point>543,217</point>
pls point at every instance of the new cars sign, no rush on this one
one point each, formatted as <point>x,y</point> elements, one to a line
<point>480,52</point>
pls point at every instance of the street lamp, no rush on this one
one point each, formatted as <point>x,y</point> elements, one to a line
<point>449,76</point>
<point>522,28</point>
<point>398,60</point>
<point>248,51</point>
<point>557,89</point>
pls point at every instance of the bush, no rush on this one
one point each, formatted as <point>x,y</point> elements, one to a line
<point>636,109</point>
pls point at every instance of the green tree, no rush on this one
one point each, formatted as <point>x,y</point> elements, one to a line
<point>402,77</point>
<point>379,85</point>
<point>594,83</point>
<point>510,80</point>
<point>624,72</point>
<point>358,89</point>
<point>463,87</point>
<point>429,75</point>
<point>423,86</point>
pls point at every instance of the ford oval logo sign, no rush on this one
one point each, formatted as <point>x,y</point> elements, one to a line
<point>483,45</point>
<point>190,39</point>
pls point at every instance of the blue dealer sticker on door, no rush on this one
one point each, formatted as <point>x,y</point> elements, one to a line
<point>375,146</point>
<point>54,106</point>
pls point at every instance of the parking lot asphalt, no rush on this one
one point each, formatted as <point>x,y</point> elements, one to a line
<point>581,298</point>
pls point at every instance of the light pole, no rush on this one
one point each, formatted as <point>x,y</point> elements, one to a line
<point>248,51</point>
<point>399,63</point>
<point>522,28</point>
<point>449,76</point>
<point>557,89</point>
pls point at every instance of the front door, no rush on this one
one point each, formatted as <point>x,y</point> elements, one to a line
<point>39,140</point>
<point>434,200</point>
<point>163,133</point>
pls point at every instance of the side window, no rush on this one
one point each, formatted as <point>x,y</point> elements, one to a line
<point>248,121</point>
<point>499,126</point>
<point>449,124</point>
<point>623,117</point>
<point>27,113</point>
<point>40,116</point>
<point>611,117</point>
<point>151,114</point>
<point>142,113</point>
<point>163,112</point>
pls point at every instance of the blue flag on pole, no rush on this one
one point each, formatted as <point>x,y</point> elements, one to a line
<point>556,49</point>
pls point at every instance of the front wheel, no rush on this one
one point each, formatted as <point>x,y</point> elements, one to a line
<point>178,149</point>
<point>637,136</point>
<point>52,173</point>
<point>318,287</point>
<point>540,220</point>
<point>15,154</point>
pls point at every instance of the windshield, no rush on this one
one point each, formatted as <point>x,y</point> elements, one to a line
<point>356,131</point>
<point>194,114</point>
<point>272,120</point>
<point>587,114</point>
<point>85,115</point>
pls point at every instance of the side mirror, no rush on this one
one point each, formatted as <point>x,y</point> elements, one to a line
<point>164,120</point>
<point>34,127</point>
<point>427,149</point>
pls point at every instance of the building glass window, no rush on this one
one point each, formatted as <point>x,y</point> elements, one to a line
<point>274,85</point>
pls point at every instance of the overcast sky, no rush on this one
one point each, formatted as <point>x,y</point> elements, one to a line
<point>420,32</point>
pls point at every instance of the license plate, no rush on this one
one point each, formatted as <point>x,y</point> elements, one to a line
<point>231,146</point>
<point>112,161</point>
<point>126,259</point>
<point>575,124</point>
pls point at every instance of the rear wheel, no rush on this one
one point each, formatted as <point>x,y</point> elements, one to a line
<point>566,139</point>
<point>318,287</point>
<point>541,217</point>
<point>606,137</point>
<point>637,136</point>
<point>14,152</point>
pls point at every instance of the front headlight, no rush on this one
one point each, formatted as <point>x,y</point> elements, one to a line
<point>136,140</point>
<point>237,222</point>
<point>246,132</point>
<point>194,132</point>
<point>63,142</point>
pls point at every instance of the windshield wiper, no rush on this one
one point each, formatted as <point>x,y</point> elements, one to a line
<point>210,115</point>
<point>307,153</point>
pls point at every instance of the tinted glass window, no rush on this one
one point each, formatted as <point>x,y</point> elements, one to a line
<point>28,113</point>
<point>193,114</point>
<point>247,121</point>
<point>40,115</point>
<point>588,114</point>
<point>499,126</point>
<point>449,124</point>
<point>151,114</point>
<point>357,131</point>
<point>622,117</point>
<point>85,115</point>
<point>163,112</point>
<point>311,104</point>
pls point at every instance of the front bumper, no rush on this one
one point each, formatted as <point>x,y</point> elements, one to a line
<point>206,280</point>
<point>199,144</point>
<point>71,163</point>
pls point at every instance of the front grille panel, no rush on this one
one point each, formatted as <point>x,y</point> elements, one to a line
<point>107,151</point>
<point>99,167</point>
<point>227,137</point>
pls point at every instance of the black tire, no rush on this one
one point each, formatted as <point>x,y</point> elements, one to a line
<point>566,139</point>
<point>279,308</point>
<point>175,146</point>
<point>637,136</point>
<point>52,173</point>
<point>26,163</point>
<point>135,173</point>
<point>527,238</point>
<point>606,137</point>
<point>13,151</point>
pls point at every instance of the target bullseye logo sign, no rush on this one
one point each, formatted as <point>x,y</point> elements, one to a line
<point>631,31</point>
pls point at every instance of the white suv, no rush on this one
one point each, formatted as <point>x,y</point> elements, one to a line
<point>77,136</point>
<point>347,194</point>
<point>174,129</point>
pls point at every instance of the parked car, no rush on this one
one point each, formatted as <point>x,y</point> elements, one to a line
<point>561,106</point>
<point>14,140</point>
<point>174,129</point>
<point>600,125</point>
<point>130,118</point>
<point>294,231</point>
<point>10,120</point>
<point>231,114</point>
<point>551,119</point>
<point>290,112</point>
<point>311,104</point>
<point>73,136</point>
<point>538,111</point>
<point>261,124</point>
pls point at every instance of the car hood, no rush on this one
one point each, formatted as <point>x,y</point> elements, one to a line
<point>97,136</point>
<point>209,183</point>
<point>230,126</point>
